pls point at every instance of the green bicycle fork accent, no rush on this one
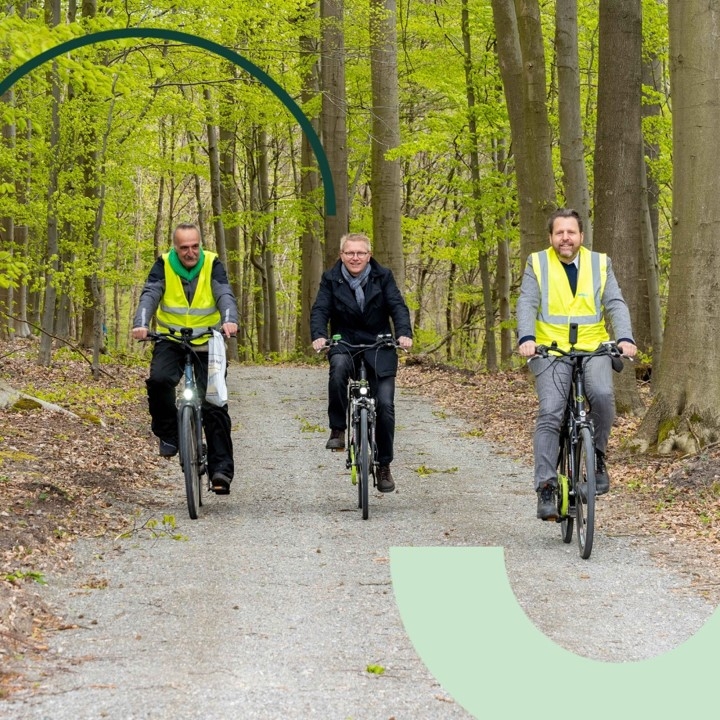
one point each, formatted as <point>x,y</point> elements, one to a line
<point>564,490</point>
<point>353,466</point>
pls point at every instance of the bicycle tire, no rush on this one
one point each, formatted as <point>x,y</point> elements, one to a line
<point>585,501</point>
<point>364,463</point>
<point>189,459</point>
<point>565,498</point>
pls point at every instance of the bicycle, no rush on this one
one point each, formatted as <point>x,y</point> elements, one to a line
<point>361,457</point>
<point>192,448</point>
<point>576,456</point>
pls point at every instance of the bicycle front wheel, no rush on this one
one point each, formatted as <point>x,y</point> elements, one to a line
<point>585,492</point>
<point>565,499</point>
<point>364,463</point>
<point>189,459</point>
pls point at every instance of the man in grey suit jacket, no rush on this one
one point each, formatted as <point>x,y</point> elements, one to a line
<point>569,284</point>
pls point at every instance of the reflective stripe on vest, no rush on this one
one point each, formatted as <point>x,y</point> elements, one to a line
<point>176,312</point>
<point>584,309</point>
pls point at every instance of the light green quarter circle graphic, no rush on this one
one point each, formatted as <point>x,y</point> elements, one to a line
<point>460,612</point>
<point>233,57</point>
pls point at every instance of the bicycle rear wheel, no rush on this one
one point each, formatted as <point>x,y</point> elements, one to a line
<point>566,499</point>
<point>585,492</point>
<point>189,459</point>
<point>364,463</point>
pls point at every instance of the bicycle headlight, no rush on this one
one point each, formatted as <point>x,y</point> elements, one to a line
<point>363,391</point>
<point>188,393</point>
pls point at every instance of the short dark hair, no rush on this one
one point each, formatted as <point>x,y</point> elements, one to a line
<point>564,212</point>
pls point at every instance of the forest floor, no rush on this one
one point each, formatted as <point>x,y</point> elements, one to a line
<point>63,477</point>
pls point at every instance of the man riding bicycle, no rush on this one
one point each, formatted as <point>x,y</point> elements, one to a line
<point>187,287</point>
<point>561,285</point>
<point>358,298</point>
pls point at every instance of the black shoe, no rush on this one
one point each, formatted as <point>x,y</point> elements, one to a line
<point>220,484</point>
<point>602,479</point>
<point>336,440</point>
<point>385,482</point>
<point>547,508</point>
<point>168,448</point>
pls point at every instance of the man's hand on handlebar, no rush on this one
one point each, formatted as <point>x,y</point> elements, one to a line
<point>627,348</point>
<point>527,349</point>
<point>320,344</point>
<point>405,343</point>
<point>229,329</point>
<point>139,333</point>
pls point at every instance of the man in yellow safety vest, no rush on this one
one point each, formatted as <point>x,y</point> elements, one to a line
<point>187,287</point>
<point>566,284</point>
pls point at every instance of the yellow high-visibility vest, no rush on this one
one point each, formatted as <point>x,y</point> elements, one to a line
<point>176,312</point>
<point>559,308</point>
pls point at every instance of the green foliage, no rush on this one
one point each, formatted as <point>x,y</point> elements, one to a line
<point>17,576</point>
<point>307,426</point>
<point>154,528</point>
<point>424,470</point>
<point>11,269</point>
<point>134,115</point>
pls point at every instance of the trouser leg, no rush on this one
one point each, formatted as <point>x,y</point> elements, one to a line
<point>341,366</point>
<point>166,369</point>
<point>600,393</point>
<point>552,384</point>
<point>383,390</point>
<point>216,423</point>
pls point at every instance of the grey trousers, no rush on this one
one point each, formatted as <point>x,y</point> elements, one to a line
<point>552,384</point>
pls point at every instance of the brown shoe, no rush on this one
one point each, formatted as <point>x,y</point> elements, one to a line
<point>336,440</point>
<point>385,482</point>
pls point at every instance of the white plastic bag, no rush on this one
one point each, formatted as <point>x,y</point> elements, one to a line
<point>216,393</point>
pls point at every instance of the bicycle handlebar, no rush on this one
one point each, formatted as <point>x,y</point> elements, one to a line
<point>386,340</point>
<point>178,335</point>
<point>606,348</point>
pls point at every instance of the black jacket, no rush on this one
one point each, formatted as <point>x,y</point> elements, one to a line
<point>335,306</point>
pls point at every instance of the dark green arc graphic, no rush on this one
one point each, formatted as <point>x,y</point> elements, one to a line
<point>213,47</point>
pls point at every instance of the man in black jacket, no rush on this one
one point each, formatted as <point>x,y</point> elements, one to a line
<point>358,298</point>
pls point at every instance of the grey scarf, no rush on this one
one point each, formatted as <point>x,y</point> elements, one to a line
<point>357,284</point>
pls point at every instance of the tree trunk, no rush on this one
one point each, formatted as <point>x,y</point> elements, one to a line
<point>618,147</point>
<point>7,225</point>
<point>311,256</point>
<point>215,181</point>
<point>333,121</point>
<point>649,334</point>
<point>522,65</point>
<point>490,344</point>
<point>52,18</point>
<point>385,173</point>
<point>684,414</point>
<point>572,147</point>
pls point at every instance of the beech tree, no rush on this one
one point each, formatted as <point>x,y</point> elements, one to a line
<point>684,413</point>
<point>618,157</point>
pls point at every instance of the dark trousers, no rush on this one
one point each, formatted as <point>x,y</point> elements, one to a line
<point>166,369</point>
<point>383,390</point>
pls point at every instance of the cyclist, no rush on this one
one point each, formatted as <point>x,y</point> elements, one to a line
<point>358,298</point>
<point>187,287</point>
<point>563,284</point>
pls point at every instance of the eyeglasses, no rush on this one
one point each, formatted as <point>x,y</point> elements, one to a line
<point>360,255</point>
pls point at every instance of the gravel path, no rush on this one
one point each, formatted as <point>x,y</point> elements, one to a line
<point>281,596</point>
